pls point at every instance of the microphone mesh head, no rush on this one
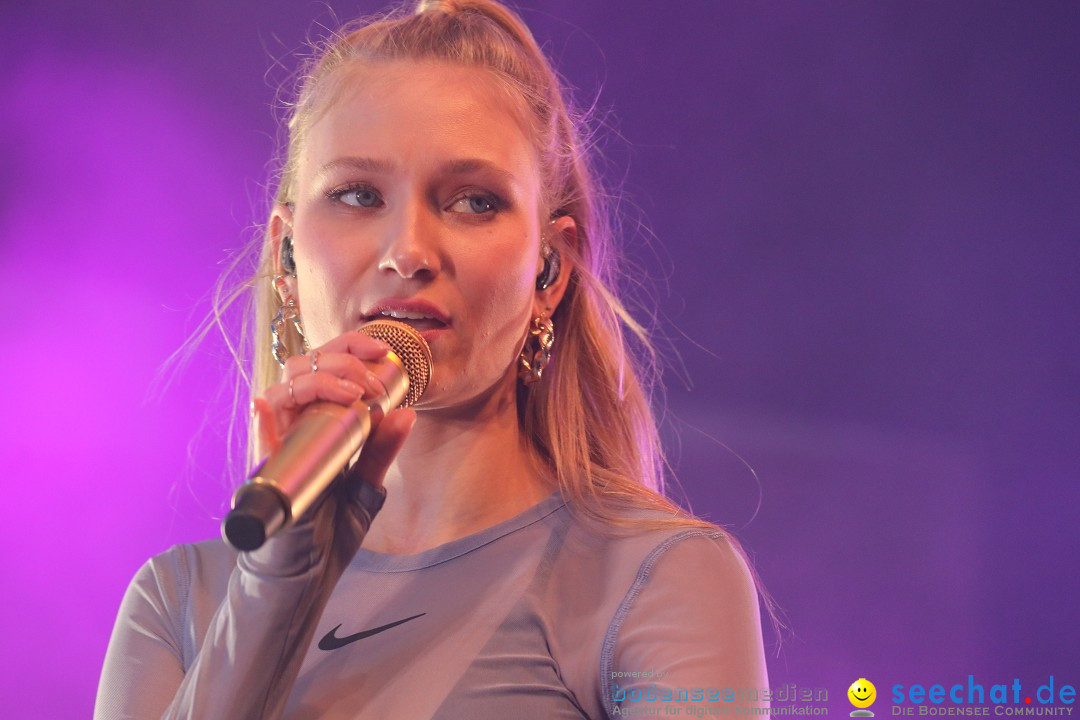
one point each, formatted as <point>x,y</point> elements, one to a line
<point>413,350</point>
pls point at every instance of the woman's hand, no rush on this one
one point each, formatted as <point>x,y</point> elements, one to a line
<point>247,662</point>
<point>332,529</point>
<point>335,372</point>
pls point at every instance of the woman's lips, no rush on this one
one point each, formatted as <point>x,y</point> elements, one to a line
<point>420,324</point>
<point>423,316</point>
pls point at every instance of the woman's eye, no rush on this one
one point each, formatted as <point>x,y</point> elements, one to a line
<point>364,197</point>
<point>475,205</point>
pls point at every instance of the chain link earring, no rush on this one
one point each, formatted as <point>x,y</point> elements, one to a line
<point>536,355</point>
<point>288,312</point>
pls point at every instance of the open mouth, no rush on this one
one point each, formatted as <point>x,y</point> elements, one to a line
<point>420,322</point>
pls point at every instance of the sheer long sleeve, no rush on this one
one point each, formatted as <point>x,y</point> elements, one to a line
<point>689,632</point>
<point>245,663</point>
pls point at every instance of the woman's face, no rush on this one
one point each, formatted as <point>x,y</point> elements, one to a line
<point>418,197</point>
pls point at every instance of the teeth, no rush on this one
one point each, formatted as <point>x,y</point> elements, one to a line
<point>402,315</point>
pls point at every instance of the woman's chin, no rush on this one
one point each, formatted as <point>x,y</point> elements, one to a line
<point>432,334</point>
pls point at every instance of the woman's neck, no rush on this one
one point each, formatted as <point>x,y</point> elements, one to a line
<point>456,476</point>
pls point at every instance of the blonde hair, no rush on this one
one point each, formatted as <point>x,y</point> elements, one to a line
<point>590,417</point>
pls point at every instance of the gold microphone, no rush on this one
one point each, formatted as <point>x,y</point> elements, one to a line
<point>324,440</point>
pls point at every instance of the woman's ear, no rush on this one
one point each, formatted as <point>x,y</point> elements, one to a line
<point>559,243</point>
<point>280,236</point>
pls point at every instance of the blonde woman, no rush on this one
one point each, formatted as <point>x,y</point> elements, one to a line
<point>503,548</point>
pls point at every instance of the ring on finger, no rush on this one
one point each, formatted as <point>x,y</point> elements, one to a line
<point>314,361</point>
<point>292,396</point>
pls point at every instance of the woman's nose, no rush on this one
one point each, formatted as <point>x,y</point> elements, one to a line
<point>411,245</point>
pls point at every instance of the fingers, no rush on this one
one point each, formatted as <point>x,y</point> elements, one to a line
<point>335,372</point>
<point>351,344</point>
<point>344,356</point>
<point>337,365</point>
<point>306,389</point>
<point>383,446</point>
<point>280,405</point>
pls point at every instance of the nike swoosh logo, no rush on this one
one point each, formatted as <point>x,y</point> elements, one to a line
<point>331,641</point>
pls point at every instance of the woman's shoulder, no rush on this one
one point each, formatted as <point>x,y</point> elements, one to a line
<point>643,549</point>
<point>637,591</point>
<point>193,560</point>
<point>174,578</point>
<point>173,595</point>
<point>643,535</point>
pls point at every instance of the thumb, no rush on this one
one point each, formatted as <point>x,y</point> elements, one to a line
<point>383,446</point>
<point>268,425</point>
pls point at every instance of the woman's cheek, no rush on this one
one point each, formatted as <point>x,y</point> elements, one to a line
<point>331,270</point>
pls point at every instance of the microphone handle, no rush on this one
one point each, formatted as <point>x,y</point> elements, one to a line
<point>324,440</point>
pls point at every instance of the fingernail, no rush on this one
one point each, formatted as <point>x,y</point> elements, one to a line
<point>350,386</point>
<point>373,381</point>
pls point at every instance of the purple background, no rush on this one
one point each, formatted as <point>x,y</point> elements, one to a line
<point>867,250</point>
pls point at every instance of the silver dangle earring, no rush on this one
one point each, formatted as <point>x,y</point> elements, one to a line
<point>536,355</point>
<point>287,313</point>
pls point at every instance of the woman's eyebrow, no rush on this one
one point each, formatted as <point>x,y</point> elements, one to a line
<point>472,165</point>
<point>463,166</point>
<point>364,164</point>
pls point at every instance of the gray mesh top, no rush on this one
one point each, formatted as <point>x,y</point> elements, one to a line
<point>537,617</point>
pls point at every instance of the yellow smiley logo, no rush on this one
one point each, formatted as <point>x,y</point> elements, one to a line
<point>862,693</point>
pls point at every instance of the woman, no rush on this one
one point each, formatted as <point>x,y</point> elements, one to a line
<point>523,562</point>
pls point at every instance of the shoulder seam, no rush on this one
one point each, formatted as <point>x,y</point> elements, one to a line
<point>607,650</point>
<point>183,594</point>
<point>172,562</point>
